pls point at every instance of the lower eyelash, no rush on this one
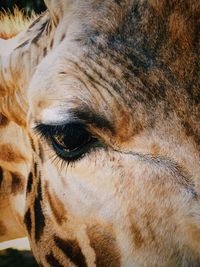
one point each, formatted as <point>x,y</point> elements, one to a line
<point>62,164</point>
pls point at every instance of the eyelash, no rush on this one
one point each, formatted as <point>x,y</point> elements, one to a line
<point>44,131</point>
<point>48,133</point>
<point>63,165</point>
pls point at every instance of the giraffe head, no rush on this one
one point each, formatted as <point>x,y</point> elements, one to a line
<point>104,106</point>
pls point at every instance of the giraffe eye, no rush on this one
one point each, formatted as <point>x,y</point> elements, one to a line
<point>70,141</point>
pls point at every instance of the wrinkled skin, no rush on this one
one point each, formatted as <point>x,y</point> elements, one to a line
<point>122,76</point>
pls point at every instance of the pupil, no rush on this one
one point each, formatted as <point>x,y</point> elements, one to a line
<point>75,136</point>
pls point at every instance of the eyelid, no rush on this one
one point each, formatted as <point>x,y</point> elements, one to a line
<point>42,126</point>
<point>46,130</point>
<point>43,130</point>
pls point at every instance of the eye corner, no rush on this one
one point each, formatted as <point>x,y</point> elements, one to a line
<point>43,130</point>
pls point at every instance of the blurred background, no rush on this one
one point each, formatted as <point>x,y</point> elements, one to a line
<point>28,5</point>
<point>17,253</point>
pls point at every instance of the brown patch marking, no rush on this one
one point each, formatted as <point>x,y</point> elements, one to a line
<point>18,183</point>
<point>124,129</point>
<point>10,153</point>
<point>158,5</point>
<point>137,236</point>
<point>72,250</point>
<point>194,231</point>
<point>41,152</point>
<point>2,90</point>
<point>3,120</point>
<point>180,29</point>
<point>155,149</point>
<point>3,229</point>
<point>105,247</point>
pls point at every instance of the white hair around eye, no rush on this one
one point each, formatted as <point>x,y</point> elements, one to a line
<point>56,116</point>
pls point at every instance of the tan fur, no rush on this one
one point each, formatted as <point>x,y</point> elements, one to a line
<point>133,82</point>
<point>3,230</point>
<point>15,159</point>
<point>56,206</point>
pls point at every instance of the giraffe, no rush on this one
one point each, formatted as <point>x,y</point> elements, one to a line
<point>107,95</point>
<point>15,159</point>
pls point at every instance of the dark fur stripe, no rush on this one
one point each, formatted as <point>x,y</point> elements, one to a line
<point>72,250</point>
<point>22,45</point>
<point>105,247</point>
<point>40,32</point>
<point>32,144</point>
<point>52,261</point>
<point>27,221</point>
<point>39,216</point>
<point>1,176</point>
<point>35,169</point>
<point>35,22</point>
<point>30,182</point>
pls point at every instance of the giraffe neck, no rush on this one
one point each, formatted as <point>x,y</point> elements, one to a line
<point>16,150</point>
<point>15,164</point>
